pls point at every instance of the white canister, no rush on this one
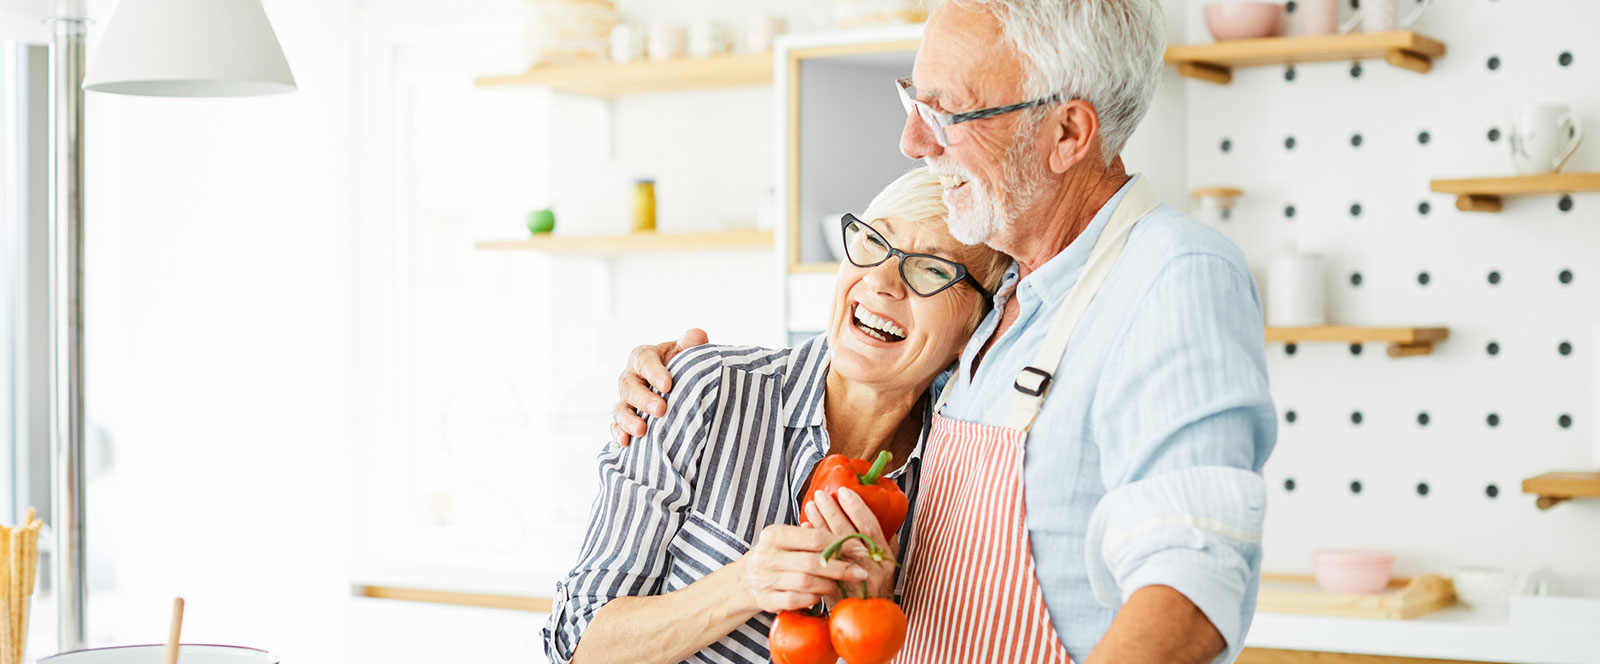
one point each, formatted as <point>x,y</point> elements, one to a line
<point>707,38</point>
<point>759,32</point>
<point>1295,291</point>
<point>665,41</point>
<point>627,43</point>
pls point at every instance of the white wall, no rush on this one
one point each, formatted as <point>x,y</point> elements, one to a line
<point>220,332</point>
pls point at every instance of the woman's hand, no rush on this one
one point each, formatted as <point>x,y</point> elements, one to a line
<point>784,569</point>
<point>850,515</point>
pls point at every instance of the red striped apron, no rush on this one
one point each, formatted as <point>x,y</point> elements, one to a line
<point>971,594</point>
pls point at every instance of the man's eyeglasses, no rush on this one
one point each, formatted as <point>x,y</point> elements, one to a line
<point>926,274</point>
<point>937,120</point>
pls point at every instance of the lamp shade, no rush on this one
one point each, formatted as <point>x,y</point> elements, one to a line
<point>189,48</point>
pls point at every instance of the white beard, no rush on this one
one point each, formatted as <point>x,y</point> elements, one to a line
<point>987,214</point>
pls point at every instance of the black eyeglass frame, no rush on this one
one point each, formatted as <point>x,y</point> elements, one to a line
<point>940,120</point>
<point>891,252</point>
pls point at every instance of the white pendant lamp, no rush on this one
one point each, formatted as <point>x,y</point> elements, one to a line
<point>189,48</point>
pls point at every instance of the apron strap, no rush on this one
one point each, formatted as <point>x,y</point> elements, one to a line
<point>1033,383</point>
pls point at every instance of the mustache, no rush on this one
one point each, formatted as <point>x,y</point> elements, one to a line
<point>940,170</point>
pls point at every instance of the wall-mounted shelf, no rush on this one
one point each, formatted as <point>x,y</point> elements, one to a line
<point>1559,487</point>
<point>1403,341</point>
<point>606,79</point>
<point>1484,194</point>
<point>636,243</point>
<point>1215,62</point>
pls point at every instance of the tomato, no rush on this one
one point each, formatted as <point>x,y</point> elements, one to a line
<point>800,637</point>
<point>867,631</point>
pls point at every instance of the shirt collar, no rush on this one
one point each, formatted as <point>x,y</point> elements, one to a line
<point>1053,280</point>
<point>805,377</point>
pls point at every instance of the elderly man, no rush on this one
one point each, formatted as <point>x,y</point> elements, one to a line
<point>1124,356</point>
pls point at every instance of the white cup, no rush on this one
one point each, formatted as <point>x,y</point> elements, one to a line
<point>1489,590</point>
<point>1383,16</point>
<point>1295,291</point>
<point>627,43</point>
<point>707,38</point>
<point>760,30</point>
<point>665,41</point>
<point>1543,137</point>
<point>1318,17</point>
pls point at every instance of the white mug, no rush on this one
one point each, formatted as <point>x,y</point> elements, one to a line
<point>665,41</point>
<point>1318,17</point>
<point>627,43</point>
<point>1490,590</point>
<point>1543,137</point>
<point>1383,16</point>
<point>707,38</point>
<point>1295,291</point>
<point>759,32</point>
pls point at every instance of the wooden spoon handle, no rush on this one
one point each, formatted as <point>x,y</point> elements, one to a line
<point>177,627</point>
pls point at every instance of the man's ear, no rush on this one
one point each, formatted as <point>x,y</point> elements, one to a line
<point>1076,125</point>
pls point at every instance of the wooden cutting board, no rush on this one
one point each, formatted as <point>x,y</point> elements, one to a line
<point>1404,599</point>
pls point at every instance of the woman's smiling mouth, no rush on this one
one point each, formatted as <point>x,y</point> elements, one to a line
<point>875,326</point>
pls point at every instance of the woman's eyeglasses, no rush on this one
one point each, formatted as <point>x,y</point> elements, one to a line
<point>926,274</point>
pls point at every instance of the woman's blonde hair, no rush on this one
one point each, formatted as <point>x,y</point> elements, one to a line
<point>917,197</point>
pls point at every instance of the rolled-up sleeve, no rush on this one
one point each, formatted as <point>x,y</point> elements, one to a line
<point>645,491</point>
<point>1184,423</point>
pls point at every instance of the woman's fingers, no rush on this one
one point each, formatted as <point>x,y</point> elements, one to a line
<point>840,524</point>
<point>861,516</point>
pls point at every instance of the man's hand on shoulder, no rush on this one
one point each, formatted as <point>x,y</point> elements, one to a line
<point>645,375</point>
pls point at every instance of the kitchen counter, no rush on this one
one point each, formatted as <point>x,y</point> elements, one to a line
<point>1454,633</point>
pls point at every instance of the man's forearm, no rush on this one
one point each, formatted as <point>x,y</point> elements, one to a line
<point>1158,625</point>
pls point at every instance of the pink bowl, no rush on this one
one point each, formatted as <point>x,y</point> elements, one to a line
<point>1358,572</point>
<point>1244,20</point>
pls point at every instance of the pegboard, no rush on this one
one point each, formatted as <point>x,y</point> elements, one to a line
<point>1423,456</point>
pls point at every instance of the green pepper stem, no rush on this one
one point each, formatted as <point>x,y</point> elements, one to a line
<point>873,550</point>
<point>876,470</point>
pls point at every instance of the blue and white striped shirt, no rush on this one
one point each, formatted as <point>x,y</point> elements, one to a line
<point>744,428</point>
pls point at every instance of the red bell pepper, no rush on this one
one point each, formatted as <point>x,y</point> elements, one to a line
<point>882,495</point>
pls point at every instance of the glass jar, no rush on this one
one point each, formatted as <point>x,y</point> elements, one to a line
<point>644,206</point>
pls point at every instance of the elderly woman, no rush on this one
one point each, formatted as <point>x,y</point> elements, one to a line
<point>692,545</point>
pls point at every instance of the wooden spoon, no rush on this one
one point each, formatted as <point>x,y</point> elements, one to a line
<point>177,626</point>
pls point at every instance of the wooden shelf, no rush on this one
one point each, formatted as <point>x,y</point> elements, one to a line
<point>606,79</point>
<point>1559,487</point>
<point>814,268</point>
<point>1403,341</point>
<point>636,243</point>
<point>1215,62</point>
<point>1484,194</point>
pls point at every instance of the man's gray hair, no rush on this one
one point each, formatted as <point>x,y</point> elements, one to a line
<point>1106,52</point>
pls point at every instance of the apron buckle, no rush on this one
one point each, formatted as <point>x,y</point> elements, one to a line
<point>1044,381</point>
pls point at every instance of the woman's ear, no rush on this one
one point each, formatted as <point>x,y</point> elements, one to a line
<point>1076,129</point>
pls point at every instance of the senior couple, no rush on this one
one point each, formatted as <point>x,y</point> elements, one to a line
<point>1068,373</point>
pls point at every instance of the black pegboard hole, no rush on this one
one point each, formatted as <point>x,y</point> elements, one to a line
<point>1564,203</point>
<point>1355,209</point>
<point>1355,140</point>
<point>1565,59</point>
<point>1493,348</point>
<point>1355,278</point>
<point>1423,278</point>
<point>1288,143</point>
<point>1355,4</point>
<point>1355,486</point>
<point>1494,134</point>
<point>1565,421</point>
<point>1288,484</point>
<point>1565,277</point>
<point>1565,348</point>
<point>1226,145</point>
<point>1290,416</point>
<point>1494,277</point>
<point>1424,208</point>
<point>1424,137</point>
<point>1355,349</point>
<point>1423,419</point>
<point>1289,349</point>
<point>1288,212</point>
<point>1355,70</point>
<point>1288,73</point>
<point>1355,417</point>
<point>1493,63</point>
<point>1493,420</point>
<point>1422,489</point>
<point>1491,491</point>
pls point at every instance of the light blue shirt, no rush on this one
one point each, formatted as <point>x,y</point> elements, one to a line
<point>1144,465</point>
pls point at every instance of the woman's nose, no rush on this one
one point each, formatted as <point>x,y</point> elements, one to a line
<point>917,140</point>
<point>884,278</point>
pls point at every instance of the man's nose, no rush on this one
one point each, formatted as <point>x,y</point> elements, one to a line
<point>917,140</point>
